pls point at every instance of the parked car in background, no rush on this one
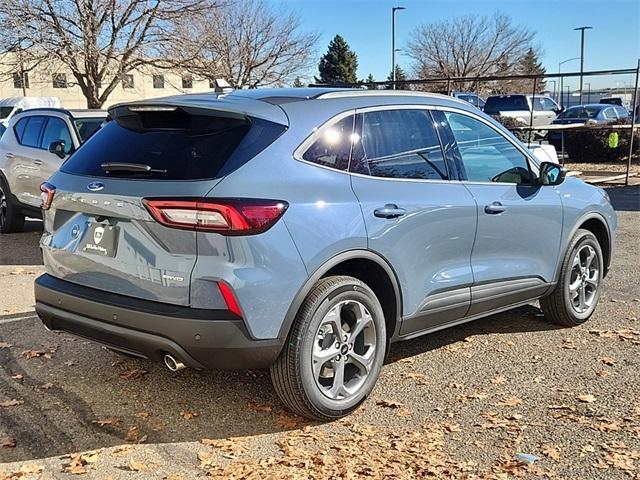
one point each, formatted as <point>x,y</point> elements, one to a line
<point>13,105</point>
<point>615,101</point>
<point>306,229</point>
<point>521,107</point>
<point>472,98</point>
<point>35,144</point>
<point>589,114</point>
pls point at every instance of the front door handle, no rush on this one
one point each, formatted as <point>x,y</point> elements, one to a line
<point>390,210</point>
<point>37,162</point>
<point>494,208</point>
<point>9,156</point>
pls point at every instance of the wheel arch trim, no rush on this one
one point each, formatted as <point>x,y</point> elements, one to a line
<point>577,225</point>
<point>327,266</point>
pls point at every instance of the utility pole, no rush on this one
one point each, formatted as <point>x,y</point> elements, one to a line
<point>393,45</point>
<point>562,79</point>
<point>582,29</point>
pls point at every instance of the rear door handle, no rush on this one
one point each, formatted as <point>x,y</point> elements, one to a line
<point>390,210</point>
<point>9,155</point>
<point>494,208</point>
<point>37,162</point>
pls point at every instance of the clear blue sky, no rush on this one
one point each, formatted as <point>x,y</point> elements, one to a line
<point>614,41</point>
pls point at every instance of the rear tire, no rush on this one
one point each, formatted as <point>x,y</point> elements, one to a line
<point>576,295</point>
<point>334,352</point>
<point>11,218</point>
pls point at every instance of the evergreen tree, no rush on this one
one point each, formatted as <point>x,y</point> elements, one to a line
<point>297,83</point>
<point>370,80</point>
<point>339,64</point>
<point>530,64</point>
<point>400,76</point>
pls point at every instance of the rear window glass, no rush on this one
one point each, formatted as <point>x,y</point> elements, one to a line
<point>506,104</point>
<point>174,145</point>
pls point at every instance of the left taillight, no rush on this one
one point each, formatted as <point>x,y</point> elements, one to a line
<point>47,192</point>
<point>225,216</point>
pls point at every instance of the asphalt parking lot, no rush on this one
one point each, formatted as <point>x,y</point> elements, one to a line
<point>469,402</point>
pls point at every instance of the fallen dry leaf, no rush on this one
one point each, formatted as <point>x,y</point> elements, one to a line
<point>586,398</point>
<point>11,403</point>
<point>259,407</point>
<point>136,466</point>
<point>510,402</point>
<point>188,415</point>
<point>133,373</point>
<point>499,380</point>
<point>76,465</point>
<point>7,442</point>
<point>133,434</point>
<point>551,451</point>
<point>112,422</point>
<point>390,403</point>
<point>5,345</point>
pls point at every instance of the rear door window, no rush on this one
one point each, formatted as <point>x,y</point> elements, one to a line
<point>495,105</point>
<point>184,144</point>
<point>31,135</point>
<point>87,127</point>
<point>399,144</point>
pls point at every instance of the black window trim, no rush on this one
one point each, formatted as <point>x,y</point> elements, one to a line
<point>317,132</point>
<point>530,158</point>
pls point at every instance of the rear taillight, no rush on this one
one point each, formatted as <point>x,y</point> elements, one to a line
<point>225,216</point>
<point>48,191</point>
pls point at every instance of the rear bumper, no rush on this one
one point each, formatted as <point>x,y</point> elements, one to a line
<point>199,338</point>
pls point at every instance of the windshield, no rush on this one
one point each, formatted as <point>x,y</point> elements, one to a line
<point>87,127</point>
<point>506,104</point>
<point>5,111</point>
<point>581,112</point>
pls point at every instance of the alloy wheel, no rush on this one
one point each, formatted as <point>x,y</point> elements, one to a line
<point>344,350</point>
<point>584,278</point>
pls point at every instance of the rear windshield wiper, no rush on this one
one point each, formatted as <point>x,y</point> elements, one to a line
<point>121,167</point>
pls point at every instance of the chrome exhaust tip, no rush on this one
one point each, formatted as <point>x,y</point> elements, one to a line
<point>173,364</point>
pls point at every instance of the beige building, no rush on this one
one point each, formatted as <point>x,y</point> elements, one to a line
<point>136,85</point>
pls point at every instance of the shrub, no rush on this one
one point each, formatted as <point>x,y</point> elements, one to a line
<point>512,125</point>
<point>593,144</point>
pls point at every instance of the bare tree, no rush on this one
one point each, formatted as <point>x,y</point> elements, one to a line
<point>248,43</point>
<point>469,46</point>
<point>98,41</point>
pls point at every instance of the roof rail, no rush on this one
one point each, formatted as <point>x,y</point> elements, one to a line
<point>47,109</point>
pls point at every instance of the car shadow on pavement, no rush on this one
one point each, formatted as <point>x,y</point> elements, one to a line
<point>625,199</point>
<point>74,395</point>
<point>528,318</point>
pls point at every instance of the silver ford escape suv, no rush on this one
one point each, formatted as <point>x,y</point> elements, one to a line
<point>305,230</point>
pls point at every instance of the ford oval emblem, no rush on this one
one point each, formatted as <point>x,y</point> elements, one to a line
<point>75,231</point>
<point>95,186</point>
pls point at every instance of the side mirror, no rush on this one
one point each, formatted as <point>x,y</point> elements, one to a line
<point>57,148</point>
<point>551,173</point>
<point>559,110</point>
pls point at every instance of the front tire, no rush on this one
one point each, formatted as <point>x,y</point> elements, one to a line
<point>576,295</point>
<point>11,219</point>
<point>334,351</point>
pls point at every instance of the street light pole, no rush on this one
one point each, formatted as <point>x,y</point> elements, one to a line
<point>562,79</point>
<point>393,45</point>
<point>582,29</point>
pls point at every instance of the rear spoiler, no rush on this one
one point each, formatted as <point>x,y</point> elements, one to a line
<point>224,105</point>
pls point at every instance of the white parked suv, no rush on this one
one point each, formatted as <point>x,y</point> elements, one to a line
<point>35,144</point>
<point>544,109</point>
